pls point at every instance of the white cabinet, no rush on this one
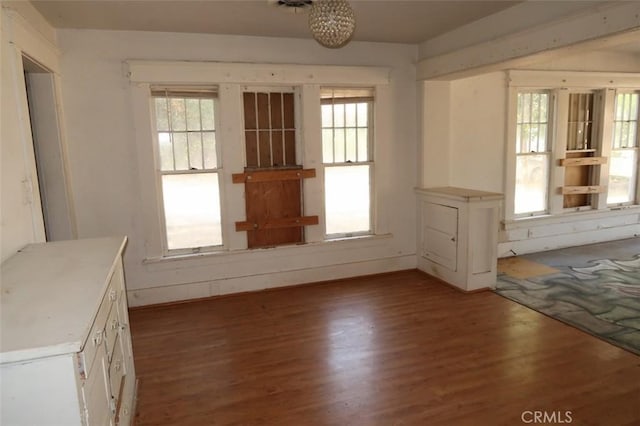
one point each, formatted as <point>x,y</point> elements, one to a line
<point>458,235</point>
<point>66,355</point>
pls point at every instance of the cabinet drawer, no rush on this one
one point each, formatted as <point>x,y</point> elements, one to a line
<point>117,372</point>
<point>98,333</point>
<point>111,331</point>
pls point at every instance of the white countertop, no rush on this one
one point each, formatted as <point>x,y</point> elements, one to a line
<point>50,294</point>
<point>463,194</point>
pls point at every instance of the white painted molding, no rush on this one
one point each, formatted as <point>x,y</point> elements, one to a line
<point>573,79</point>
<point>603,27</point>
<point>240,284</point>
<point>578,238</point>
<point>30,41</point>
<point>512,20</point>
<point>188,72</point>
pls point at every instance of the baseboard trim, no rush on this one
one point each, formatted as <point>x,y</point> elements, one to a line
<point>153,296</point>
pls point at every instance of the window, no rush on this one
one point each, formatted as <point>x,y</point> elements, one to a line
<point>188,166</point>
<point>624,150</point>
<point>347,158</point>
<point>532,153</point>
<point>582,146</point>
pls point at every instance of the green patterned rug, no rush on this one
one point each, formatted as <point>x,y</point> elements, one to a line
<point>601,297</point>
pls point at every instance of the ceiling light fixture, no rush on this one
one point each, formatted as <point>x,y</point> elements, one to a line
<point>295,6</point>
<point>332,22</point>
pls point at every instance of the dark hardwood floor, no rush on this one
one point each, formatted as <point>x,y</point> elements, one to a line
<point>395,349</point>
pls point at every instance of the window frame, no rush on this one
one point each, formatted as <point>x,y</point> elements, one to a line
<point>560,84</point>
<point>159,173</point>
<point>370,163</point>
<point>636,149</point>
<point>549,152</point>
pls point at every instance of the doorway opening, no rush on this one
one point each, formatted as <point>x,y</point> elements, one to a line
<point>48,151</point>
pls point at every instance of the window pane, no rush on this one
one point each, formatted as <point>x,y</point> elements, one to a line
<point>520,108</point>
<point>327,145</point>
<point>580,120</point>
<point>327,116</point>
<point>363,145</point>
<point>350,110</point>
<point>544,107</point>
<point>193,114</point>
<point>195,151</point>
<point>633,132</point>
<point>208,118</point>
<point>347,199</point>
<point>363,114</point>
<point>351,145</point>
<point>338,115</point>
<point>531,183</point>
<point>181,151</point>
<point>542,138</point>
<point>634,106</point>
<point>209,147</point>
<point>166,151</point>
<point>178,114</point>
<point>162,117</point>
<point>192,210</point>
<point>526,108</point>
<point>338,146</point>
<point>531,124</point>
<point>622,176</point>
<point>535,108</point>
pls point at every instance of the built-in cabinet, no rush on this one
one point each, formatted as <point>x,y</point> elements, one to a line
<point>458,235</point>
<point>66,355</point>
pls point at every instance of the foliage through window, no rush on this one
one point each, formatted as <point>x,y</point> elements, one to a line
<point>347,158</point>
<point>188,167</point>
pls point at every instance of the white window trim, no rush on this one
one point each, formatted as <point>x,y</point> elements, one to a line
<point>160,196</point>
<point>371,128</point>
<point>636,198</point>
<point>560,84</point>
<point>549,152</point>
<point>230,77</point>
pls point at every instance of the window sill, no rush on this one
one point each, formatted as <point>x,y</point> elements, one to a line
<point>280,250</point>
<point>549,219</point>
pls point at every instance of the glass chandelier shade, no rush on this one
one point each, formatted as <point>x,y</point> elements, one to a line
<point>332,22</point>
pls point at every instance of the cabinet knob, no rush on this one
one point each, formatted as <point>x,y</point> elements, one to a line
<point>113,295</point>
<point>453,239</point>
<point>114,324</point>
<point>97,339</point>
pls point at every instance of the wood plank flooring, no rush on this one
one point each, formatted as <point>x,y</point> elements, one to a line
<point>394,349</point>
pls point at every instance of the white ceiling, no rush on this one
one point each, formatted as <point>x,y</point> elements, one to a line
<point>395,21</point>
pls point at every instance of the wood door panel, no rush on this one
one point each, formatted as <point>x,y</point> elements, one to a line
<point>273,200</point>
<point>577,176</point>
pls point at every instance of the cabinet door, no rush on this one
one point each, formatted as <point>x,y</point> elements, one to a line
<point>96,393</point>
<point>440,234</point>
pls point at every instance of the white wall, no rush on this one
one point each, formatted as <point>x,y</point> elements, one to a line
<point>478,114</point>
<point>106,184</point>
<point>435,152</point>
